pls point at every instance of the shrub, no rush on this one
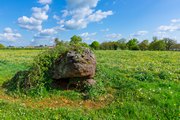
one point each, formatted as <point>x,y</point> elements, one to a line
<point>164,75</point>
<point>75,40</point>
<point>144,76</point>
<point>133,44</point>
<point>144,45</point>
<point>109,46</point>
<point>157,45</point>
<point>95,45</point>
<point>38,75</point>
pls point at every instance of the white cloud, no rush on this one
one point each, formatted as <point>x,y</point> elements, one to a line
<point>77,15</point>
<point>168,31</point>
<point>99,15</point>
<point>9,35</point>
<point>169,28</point>
<point>40,13</point>
<point>35,21</point>
<point>113,36</point>
<point>30,23</point>
<point>80,13</point>
<point>162,35</point>
<point>88,36</point>
<point>44,1</point>
<point>44,36</point>
<point>56,17</point>
<point>73,4</point>
<point>48,32</point>
<point>175,20</point>
<point>65,13</point>
<point>139,33</point>
<point>8,30</point>
<point>174,26</point>
<point>75,24</point>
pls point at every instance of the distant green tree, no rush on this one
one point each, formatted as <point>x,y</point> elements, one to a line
<point>76,40</point>
<point>41,46</point>
<point>105,46</point>
<point>115,45</point>
<point>122,40</point>
<point>109,45</point>
<point>144,45</point>
<point>59,42</point>
<point>95,45</point>
<point>157,45</point>
<point>155,38</point>
<point>175,47</point>
<point>56,41</point>
<point>133,44</point>
<point>122,44</point>
<point>169,42</point>
<point>2,46</point>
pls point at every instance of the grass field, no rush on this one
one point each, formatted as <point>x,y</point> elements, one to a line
<point>130,85</point>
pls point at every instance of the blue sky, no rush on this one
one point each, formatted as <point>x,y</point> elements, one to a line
<point>35,22</point>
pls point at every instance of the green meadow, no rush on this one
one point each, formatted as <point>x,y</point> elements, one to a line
<point>131,85</point>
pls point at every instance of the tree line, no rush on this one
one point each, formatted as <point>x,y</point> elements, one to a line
<point>134,44</point>
<point>122,44</point>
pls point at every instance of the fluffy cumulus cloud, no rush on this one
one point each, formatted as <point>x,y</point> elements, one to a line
<point>98,16</point>
<point>9,35</point>
<point>80,13</point>
<point>88,36</point>
<point>40,13</point>
<point>48,32</point>
<point>44,1</point>
<point>35,21</point>
<point>139,33</point>
<point>77,15</point>
<point>45,35</point>
<point>174,26</point>
<point>113,36</point>
<point>29,23</point>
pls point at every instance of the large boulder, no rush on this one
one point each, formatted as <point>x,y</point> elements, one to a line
<point>75,64</point>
